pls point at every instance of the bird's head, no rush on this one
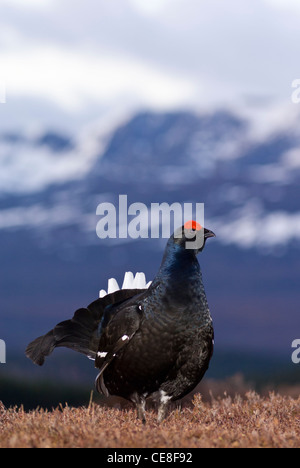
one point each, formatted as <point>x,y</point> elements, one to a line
<point>192,236</point>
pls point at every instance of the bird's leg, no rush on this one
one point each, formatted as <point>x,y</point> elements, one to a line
<point>163,406</point>
<point>141,411</point>
<point>140,403</point>
<point>162,411</point>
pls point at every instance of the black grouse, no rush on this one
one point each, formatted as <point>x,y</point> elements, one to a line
<point>151,342</point>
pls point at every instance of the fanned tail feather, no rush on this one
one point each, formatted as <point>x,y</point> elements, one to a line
<point>81,333</point>
<point>130,282</point>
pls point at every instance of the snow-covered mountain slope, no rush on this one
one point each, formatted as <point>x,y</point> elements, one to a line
<point>51,185</point>
<point>49,181</point>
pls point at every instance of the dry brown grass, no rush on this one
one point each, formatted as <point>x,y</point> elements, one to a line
<point>252,421</point>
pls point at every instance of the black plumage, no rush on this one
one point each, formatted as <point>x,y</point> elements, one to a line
<point>154,342</point>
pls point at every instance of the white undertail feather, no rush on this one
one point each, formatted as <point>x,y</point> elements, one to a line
<point>164,398</point>
<point>112,286</point>
<point>130,282</point>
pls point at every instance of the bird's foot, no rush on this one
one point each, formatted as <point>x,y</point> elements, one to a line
<point>140,403</point>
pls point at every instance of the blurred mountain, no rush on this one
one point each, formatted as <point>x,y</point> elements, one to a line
<point>53,262</point>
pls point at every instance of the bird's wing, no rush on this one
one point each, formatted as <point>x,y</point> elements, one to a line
<point>120,329</point>
<point>81,333</point>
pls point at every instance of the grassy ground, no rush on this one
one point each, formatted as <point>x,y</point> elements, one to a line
<point>252,421</point>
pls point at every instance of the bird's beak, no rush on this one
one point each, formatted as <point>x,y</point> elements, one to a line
<point>208,233</point>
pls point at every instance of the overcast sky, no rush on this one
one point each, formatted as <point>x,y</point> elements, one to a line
<point>69,62</point>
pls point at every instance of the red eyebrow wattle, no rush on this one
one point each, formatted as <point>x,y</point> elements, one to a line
<point>193,225</point>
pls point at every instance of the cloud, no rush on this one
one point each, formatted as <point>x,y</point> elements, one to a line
<point>284,4</point>
<point>152,8</point>
<point>161,54</point>
<point>72,79</point>
<point>41,4</point>
<point>245,231</point>
<point>37,216</point>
